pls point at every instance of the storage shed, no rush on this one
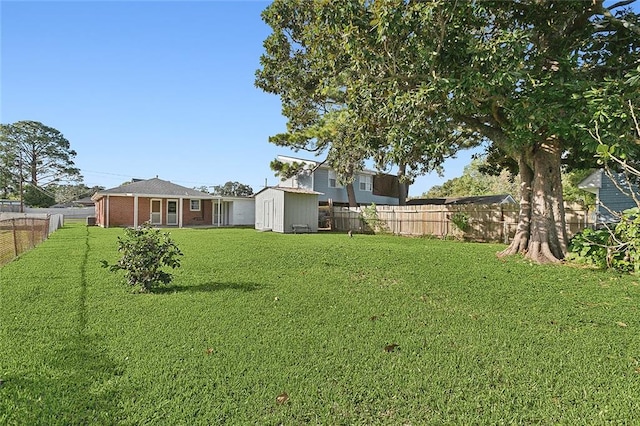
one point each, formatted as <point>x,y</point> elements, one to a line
<point>286,210</point>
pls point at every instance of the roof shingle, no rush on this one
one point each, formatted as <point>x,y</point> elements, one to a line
<point>153,187</point>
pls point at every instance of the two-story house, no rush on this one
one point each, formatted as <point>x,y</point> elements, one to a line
<point>369,186</point>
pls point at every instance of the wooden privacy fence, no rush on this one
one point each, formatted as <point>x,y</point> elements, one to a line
<point>495,223</point>
<point>21,234</point>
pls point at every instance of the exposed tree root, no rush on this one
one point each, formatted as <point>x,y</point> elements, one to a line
<point>541,253</point>
<point>517,246</point>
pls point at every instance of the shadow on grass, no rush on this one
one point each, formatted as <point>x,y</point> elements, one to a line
<point>76,381</point>
<point>206,288</point>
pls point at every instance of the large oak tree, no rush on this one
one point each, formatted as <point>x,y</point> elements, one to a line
<point>411,82</point>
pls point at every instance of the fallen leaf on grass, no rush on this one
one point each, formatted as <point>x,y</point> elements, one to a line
<point>621,324</point>
<point>209,351</point>
<point>392,347</point>
<point>282,398</point>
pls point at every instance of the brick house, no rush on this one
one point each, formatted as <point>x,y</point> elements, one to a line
<point>163,203</point>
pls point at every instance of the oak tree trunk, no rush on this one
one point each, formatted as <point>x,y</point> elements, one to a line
<point>404,185</point>
<point>541,232</point>
<point>351,195</point>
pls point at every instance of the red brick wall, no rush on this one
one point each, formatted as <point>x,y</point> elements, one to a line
<point>207,205</point>
<point>144,210</point>
<point>120,211</point>
<point>202,217</point>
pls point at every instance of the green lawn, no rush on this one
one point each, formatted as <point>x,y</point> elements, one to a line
<point>253,315</point>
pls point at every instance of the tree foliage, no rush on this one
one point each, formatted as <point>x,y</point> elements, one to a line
<point>66,193</point>
<point>37,197</point>
<point>286,170</point>
<point>616,129</point>
<point>475,181</point>
<point>37,154</point>
<point>233,189</point>
<point>615,246</point>
<point>481,178</point>
<point>409,83</point>
<point>145,251</point>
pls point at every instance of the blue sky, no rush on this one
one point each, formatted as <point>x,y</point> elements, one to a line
<point>150,88</point>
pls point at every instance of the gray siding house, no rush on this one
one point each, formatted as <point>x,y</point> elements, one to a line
<point>608,197</point>
<point>369,186</point>
<point>286,210</point>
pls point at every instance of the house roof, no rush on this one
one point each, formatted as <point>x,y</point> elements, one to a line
<point>290,190</point>
<point>152,188</point>
<point>480,199</point>
<point>593,182</point>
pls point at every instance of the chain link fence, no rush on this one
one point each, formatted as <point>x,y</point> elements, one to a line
<point>22,233</point>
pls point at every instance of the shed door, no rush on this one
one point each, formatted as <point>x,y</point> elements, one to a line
<point>268,214</point>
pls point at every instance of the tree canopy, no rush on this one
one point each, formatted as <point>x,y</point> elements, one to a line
<point>36,154</point>
<point>410,83</point>
<point>474,181</point>
<point>232,189</point>
<point>480,178</point>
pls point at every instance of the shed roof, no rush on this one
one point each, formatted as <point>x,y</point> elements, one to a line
<point>480,199</point>
<point>289,189</point>
<point>152,187</point>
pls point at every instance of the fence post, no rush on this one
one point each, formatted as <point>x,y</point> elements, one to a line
<point>332,225</point>
<point>15,237</point>
<point>47,228</point>
<point>32,234</point>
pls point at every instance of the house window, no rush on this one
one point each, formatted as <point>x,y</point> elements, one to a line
<point>366,182</point>
<point>333,180</point>
<point>195,205</point>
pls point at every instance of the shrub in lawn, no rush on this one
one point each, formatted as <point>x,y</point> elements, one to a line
<point>145,251</point>
<point>616,247</point>
<point>371,219</point>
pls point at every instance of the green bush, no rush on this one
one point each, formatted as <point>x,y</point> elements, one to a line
<point>372,221</point>
<point>616,247</point>
<point>145,250</point>
<point>461,221</point>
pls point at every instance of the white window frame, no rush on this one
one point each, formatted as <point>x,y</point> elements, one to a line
<point>191,204</point>
<point>333,176</point>
<point>365,183</point>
